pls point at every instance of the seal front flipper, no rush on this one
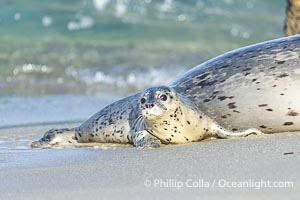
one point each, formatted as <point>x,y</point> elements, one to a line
<point>223,133</point>
<point>143,139</point>
<point>55,138</point>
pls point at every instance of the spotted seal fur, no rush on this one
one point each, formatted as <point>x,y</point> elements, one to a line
<point>249,90</point>
<point>173,118</point>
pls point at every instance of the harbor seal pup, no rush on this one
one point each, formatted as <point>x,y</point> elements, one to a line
<point>173,118</point>
<point>249,90</point>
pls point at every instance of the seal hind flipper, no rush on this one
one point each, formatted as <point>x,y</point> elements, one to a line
<point>55,138</point>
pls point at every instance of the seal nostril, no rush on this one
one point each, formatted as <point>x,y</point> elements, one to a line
<point>149,105</point>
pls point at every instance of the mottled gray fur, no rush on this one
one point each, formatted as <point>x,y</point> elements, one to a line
<point>252,87</point>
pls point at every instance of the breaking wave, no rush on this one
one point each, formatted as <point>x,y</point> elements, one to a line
<point>137,79</point>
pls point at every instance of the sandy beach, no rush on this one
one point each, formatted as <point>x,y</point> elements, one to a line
<point>62,61</point>
<point>212,169</point>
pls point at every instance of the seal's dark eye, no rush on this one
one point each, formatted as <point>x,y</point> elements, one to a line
<point>143,100</point>
<point>163,97</point>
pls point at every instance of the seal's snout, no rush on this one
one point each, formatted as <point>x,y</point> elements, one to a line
<point>151,109</point>
<point>154,101</point>
<point>149,105</point>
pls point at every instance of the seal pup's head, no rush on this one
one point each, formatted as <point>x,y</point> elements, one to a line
<point>157,102</point>
<point>170,116</point>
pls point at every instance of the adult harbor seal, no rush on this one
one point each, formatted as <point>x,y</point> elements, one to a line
<point>249,90</point>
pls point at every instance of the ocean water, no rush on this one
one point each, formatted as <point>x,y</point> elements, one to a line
<point>63,60</point>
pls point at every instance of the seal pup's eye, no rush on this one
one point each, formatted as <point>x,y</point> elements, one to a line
<point>163,97</point>
<point>143,100</point>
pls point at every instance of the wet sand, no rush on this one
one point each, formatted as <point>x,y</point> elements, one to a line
<point>191,171</point>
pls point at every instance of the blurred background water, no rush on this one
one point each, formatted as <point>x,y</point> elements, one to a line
<point>63,60</point>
